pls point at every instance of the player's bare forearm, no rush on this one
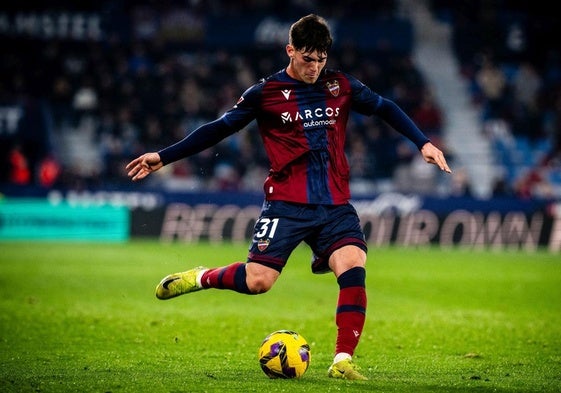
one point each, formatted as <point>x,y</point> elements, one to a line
<point>142,166</point>
<point>434,155</point>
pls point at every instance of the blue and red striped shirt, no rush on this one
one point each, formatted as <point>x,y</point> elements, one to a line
<point>303,128</point>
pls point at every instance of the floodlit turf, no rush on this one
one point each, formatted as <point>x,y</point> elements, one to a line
<point>84,318</point>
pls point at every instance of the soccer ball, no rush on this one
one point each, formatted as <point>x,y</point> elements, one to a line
<point>284,354</point>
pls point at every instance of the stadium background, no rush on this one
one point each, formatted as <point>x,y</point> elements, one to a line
<point>85,87</point>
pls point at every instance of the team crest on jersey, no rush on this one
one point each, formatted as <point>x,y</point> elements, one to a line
<point>333,88</point>
<point>263,244</point>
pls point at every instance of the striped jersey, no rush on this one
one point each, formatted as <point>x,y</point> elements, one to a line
<point>303,127</point>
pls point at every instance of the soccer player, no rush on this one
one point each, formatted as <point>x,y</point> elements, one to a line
<point>301,112</point>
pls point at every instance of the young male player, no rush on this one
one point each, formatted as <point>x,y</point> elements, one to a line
<point>301,113</point>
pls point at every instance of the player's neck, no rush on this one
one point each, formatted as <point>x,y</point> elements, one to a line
<point>291,73</point>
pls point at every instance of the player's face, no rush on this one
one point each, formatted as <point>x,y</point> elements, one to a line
<point>305,66</point>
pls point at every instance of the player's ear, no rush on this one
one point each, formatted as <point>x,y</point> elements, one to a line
<point>290,50</point>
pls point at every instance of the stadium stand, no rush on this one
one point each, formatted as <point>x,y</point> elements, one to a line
<point>514,76</point>
<point>148,72</point>
<point>86,87</point>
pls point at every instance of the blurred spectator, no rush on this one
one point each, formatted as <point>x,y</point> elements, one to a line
<point>85,99</point>
<point>492,84</point>
<point>359,158</point>
<point>226,178</point>
<point>534,184</point>
<point>460,186</point>
<point>428,116</point>
<point>527,84</point>
<point>552,160</point>
<point>49,172</point>
<point>525,111</point>
<point>20,173</point>
<point>501,188</point>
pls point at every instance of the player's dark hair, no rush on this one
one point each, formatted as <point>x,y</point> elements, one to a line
<point>311,33</point>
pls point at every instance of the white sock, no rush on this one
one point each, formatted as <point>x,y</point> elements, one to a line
<point>199,276</point>
<point>341,356</point>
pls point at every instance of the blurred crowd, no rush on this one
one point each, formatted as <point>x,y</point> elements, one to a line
<point>506,55</point>
<point>108,101</point>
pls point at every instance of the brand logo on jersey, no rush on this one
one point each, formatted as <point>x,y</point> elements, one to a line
<point>286,93</point>
<point>285,116</point>
<point>333,88</point>
<point>312,117</point>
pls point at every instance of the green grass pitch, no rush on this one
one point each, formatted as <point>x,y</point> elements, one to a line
<point>84,318</point>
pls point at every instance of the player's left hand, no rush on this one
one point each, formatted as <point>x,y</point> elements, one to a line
<point>434,155</point>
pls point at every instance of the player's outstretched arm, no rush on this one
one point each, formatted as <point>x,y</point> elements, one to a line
<point>142,166</point>
<point>434,155</point>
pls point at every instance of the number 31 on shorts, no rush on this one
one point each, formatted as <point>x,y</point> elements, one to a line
<point>267,228</point>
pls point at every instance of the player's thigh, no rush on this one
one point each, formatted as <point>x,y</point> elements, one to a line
<point>341,234</point>
<point>280,228</point>
<point>345,258</point>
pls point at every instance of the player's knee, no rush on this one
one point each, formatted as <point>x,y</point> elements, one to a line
<point>259,284</point>
<point>259,278</point>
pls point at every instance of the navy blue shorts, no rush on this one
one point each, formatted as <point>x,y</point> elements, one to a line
<point>282,226</point>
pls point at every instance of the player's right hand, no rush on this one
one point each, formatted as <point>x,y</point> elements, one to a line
<point>142,166</point>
